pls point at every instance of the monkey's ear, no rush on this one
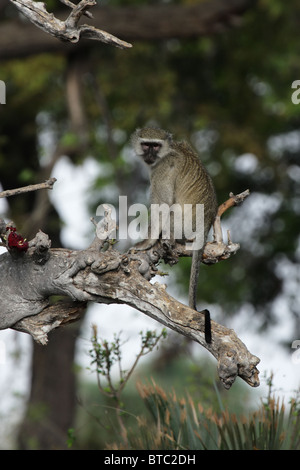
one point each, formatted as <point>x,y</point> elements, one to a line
<point>134,137</point>
<point>169,137</point>
<point>135,133</point>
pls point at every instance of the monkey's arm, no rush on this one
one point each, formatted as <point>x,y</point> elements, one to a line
<point>162,196</point>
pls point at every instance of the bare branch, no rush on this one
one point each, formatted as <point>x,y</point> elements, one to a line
<point>158,21</point>
<point>68,30</point>
<point>32,187</point>
<point>53,316</point>
<point>234,200</point>
<point>28,278</point>
<point>72,5</point>
<point>110,278</point>
<point>214,251</point>
<point>218,249</point>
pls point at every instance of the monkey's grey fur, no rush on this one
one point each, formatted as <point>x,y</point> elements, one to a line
<point>177,176</point>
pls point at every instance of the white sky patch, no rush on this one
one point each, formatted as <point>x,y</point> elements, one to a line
<point>293,172</point>
<point>70,196</point>
<point>249,218</point>
<point>3,204</point>
<point>290,141</point>
<point>246,163</point>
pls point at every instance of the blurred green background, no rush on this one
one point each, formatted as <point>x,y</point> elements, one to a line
<point>69,113</point>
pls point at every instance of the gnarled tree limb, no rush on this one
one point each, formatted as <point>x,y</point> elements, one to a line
<point>28,279</point>
<point>68,30</point>
<point>158,21</point>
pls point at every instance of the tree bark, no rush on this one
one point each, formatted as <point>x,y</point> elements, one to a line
<point>28,279</point>
<point>50,407</point>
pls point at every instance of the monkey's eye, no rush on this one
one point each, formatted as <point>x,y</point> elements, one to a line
<point>146,146</point>
<point>156,147</point>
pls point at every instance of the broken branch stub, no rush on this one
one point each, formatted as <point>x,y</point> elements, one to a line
<point>25,189</point>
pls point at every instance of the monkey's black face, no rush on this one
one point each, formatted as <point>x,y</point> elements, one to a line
<point>150,151</point>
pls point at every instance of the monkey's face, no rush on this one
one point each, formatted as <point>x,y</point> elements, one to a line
<point>151,144</point>
<point>150,151</point>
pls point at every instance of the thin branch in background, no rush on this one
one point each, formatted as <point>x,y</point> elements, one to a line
<point>234,200</point>
<point>26,189</point>
<point>72,5</point>
<point>104,355</point>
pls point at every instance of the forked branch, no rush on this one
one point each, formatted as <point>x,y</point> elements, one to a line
<point>68,30</point>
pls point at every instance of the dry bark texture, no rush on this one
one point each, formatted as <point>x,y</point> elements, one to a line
<point>101,274</point>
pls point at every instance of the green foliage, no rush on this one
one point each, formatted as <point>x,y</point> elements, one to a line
<point>105,355</point>
<point>181,423</point>
<point>162,419</point>
<point>159,420</point>
<point>71,437</point>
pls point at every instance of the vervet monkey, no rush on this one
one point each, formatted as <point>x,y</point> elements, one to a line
<point>177,176</point>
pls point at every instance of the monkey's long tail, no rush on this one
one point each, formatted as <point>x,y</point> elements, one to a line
<point>196,261</point>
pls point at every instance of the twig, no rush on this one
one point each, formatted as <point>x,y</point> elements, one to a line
<point>32,187</point>
<point>72,5</point>
<point>214,251</point>
<point>68,30</point>
<point>234,200</point>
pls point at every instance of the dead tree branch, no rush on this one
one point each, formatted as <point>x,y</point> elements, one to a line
<point>68,30</point>
<point>29,277</point>
<point>32,187</point>
<point>133,23</point>
<point>217,250</point>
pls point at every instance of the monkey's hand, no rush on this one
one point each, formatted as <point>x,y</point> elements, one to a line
<point>144,245</point>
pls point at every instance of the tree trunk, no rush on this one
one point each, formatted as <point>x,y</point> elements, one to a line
<point>50,407</point>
